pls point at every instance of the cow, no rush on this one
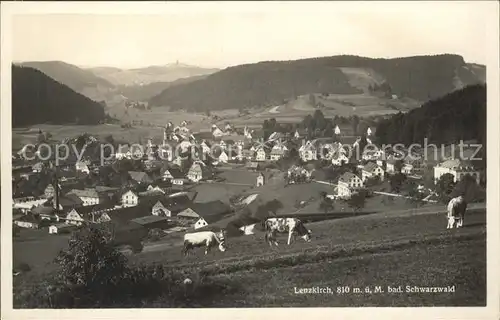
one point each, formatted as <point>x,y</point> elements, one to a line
<point>456,212</point>
<point>208,239</point>
<point>291,225</point>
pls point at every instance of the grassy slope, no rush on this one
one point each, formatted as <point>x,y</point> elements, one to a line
<point>357,251</point>
<point>353,252</point>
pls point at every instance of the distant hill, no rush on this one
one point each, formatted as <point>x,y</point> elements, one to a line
<point>460,115</point>
<point>151,74</point>
<point>37,98</point>
<point>145,92</point>
<point>78,79</point>
<point>272,82</point>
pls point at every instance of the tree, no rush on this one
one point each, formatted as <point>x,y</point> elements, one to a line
<point>445,186</point>
<point>357,201</point>
<point>396,181</point>
<point>91,262</point>
<point>468,187</point>
<point>326,205</point>
<point>415,196</point>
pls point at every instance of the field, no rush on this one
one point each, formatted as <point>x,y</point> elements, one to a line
<point>152,121</point>
<point>410,248</point>
<point>413,250</point>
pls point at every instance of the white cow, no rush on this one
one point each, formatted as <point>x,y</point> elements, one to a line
<point>208,239</point>
<point>291,225</point>
<point>456,212</point>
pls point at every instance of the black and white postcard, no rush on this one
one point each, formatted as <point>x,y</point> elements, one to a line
<point>250,159</point>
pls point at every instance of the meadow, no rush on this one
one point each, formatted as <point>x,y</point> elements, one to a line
<point>414,250</point>
<point>380,249</point>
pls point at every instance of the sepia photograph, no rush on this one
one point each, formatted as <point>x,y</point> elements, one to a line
<point>277,155</point>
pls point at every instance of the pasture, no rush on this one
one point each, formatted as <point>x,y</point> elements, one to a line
<point>413,250</point>
<point>381,249</point>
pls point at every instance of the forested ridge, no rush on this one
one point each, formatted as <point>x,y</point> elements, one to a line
<point>460,115</point>
<point>37,98</point>
<point>271,82</point>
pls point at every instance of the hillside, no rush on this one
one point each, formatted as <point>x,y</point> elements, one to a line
<point>460,115</point>
<point>78,79</point>
<point>146,91</point>
<point>272,82</point>
<point>37,98</point>
<point>151,74</point>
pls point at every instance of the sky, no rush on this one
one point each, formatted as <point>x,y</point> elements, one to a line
<point>225,35</point>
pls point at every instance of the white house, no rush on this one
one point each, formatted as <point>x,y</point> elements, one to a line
<point>223,157</point>
<point>456,168</point>
<point>308,152</point>
<point>130,199</point>
<point>89,196</point>
<point>276,154</point>
<point>81,166</point>
<point>337,130</point>
<point>347,184</point>
<point>216,132</point>
<point>159,209</point>
<point>260,154</point>
<point>205,148</point>
<point>371,170</point>
<point>61,228</point>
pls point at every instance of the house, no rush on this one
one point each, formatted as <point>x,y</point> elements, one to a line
<point>308,152</point>
<point>61,228</point>
<point>223,157</point>
<point>276,154</point>
<point>122,152</point>
<point>223,145</point>
<point>155,189</point>
<point>68,202</point>
<point>337,130</point>
<point>198,171</point>
<point>177,161</point>
<point>205,147</point>
<point>390,165</point>
<point>371,170</point>
<point>140,177</point>
<point>77,216</point>
<point>129,199</point>
<point>456,168</point>
<point>296,134</point>
<point>260,180</point>
<point>205,213</point>
<point>66,175</point>
<point>177,202</point>
<point>82,166</point>
<point>153,222</point>
<point>28,221</point>
<point>165,152</point>
<point>260,154</point>
<point>216,132</point>
<point>347,184</point>
<point>89,196</point>
<point>49,191</point>
<point>122,215</point>
<point>37,167</point>
<point>178,178</point>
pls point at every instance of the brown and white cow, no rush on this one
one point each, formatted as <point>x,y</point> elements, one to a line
<point>208,239</point>
<point>456,212</point>
<point>293,226</point>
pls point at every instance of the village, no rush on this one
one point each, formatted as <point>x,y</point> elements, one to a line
<point>175,185</point>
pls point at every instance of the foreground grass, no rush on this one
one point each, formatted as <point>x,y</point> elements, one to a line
<point>414,250</point>
<point>461,263</point>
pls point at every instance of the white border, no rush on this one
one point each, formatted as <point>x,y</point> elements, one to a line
<point>493,85</point>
